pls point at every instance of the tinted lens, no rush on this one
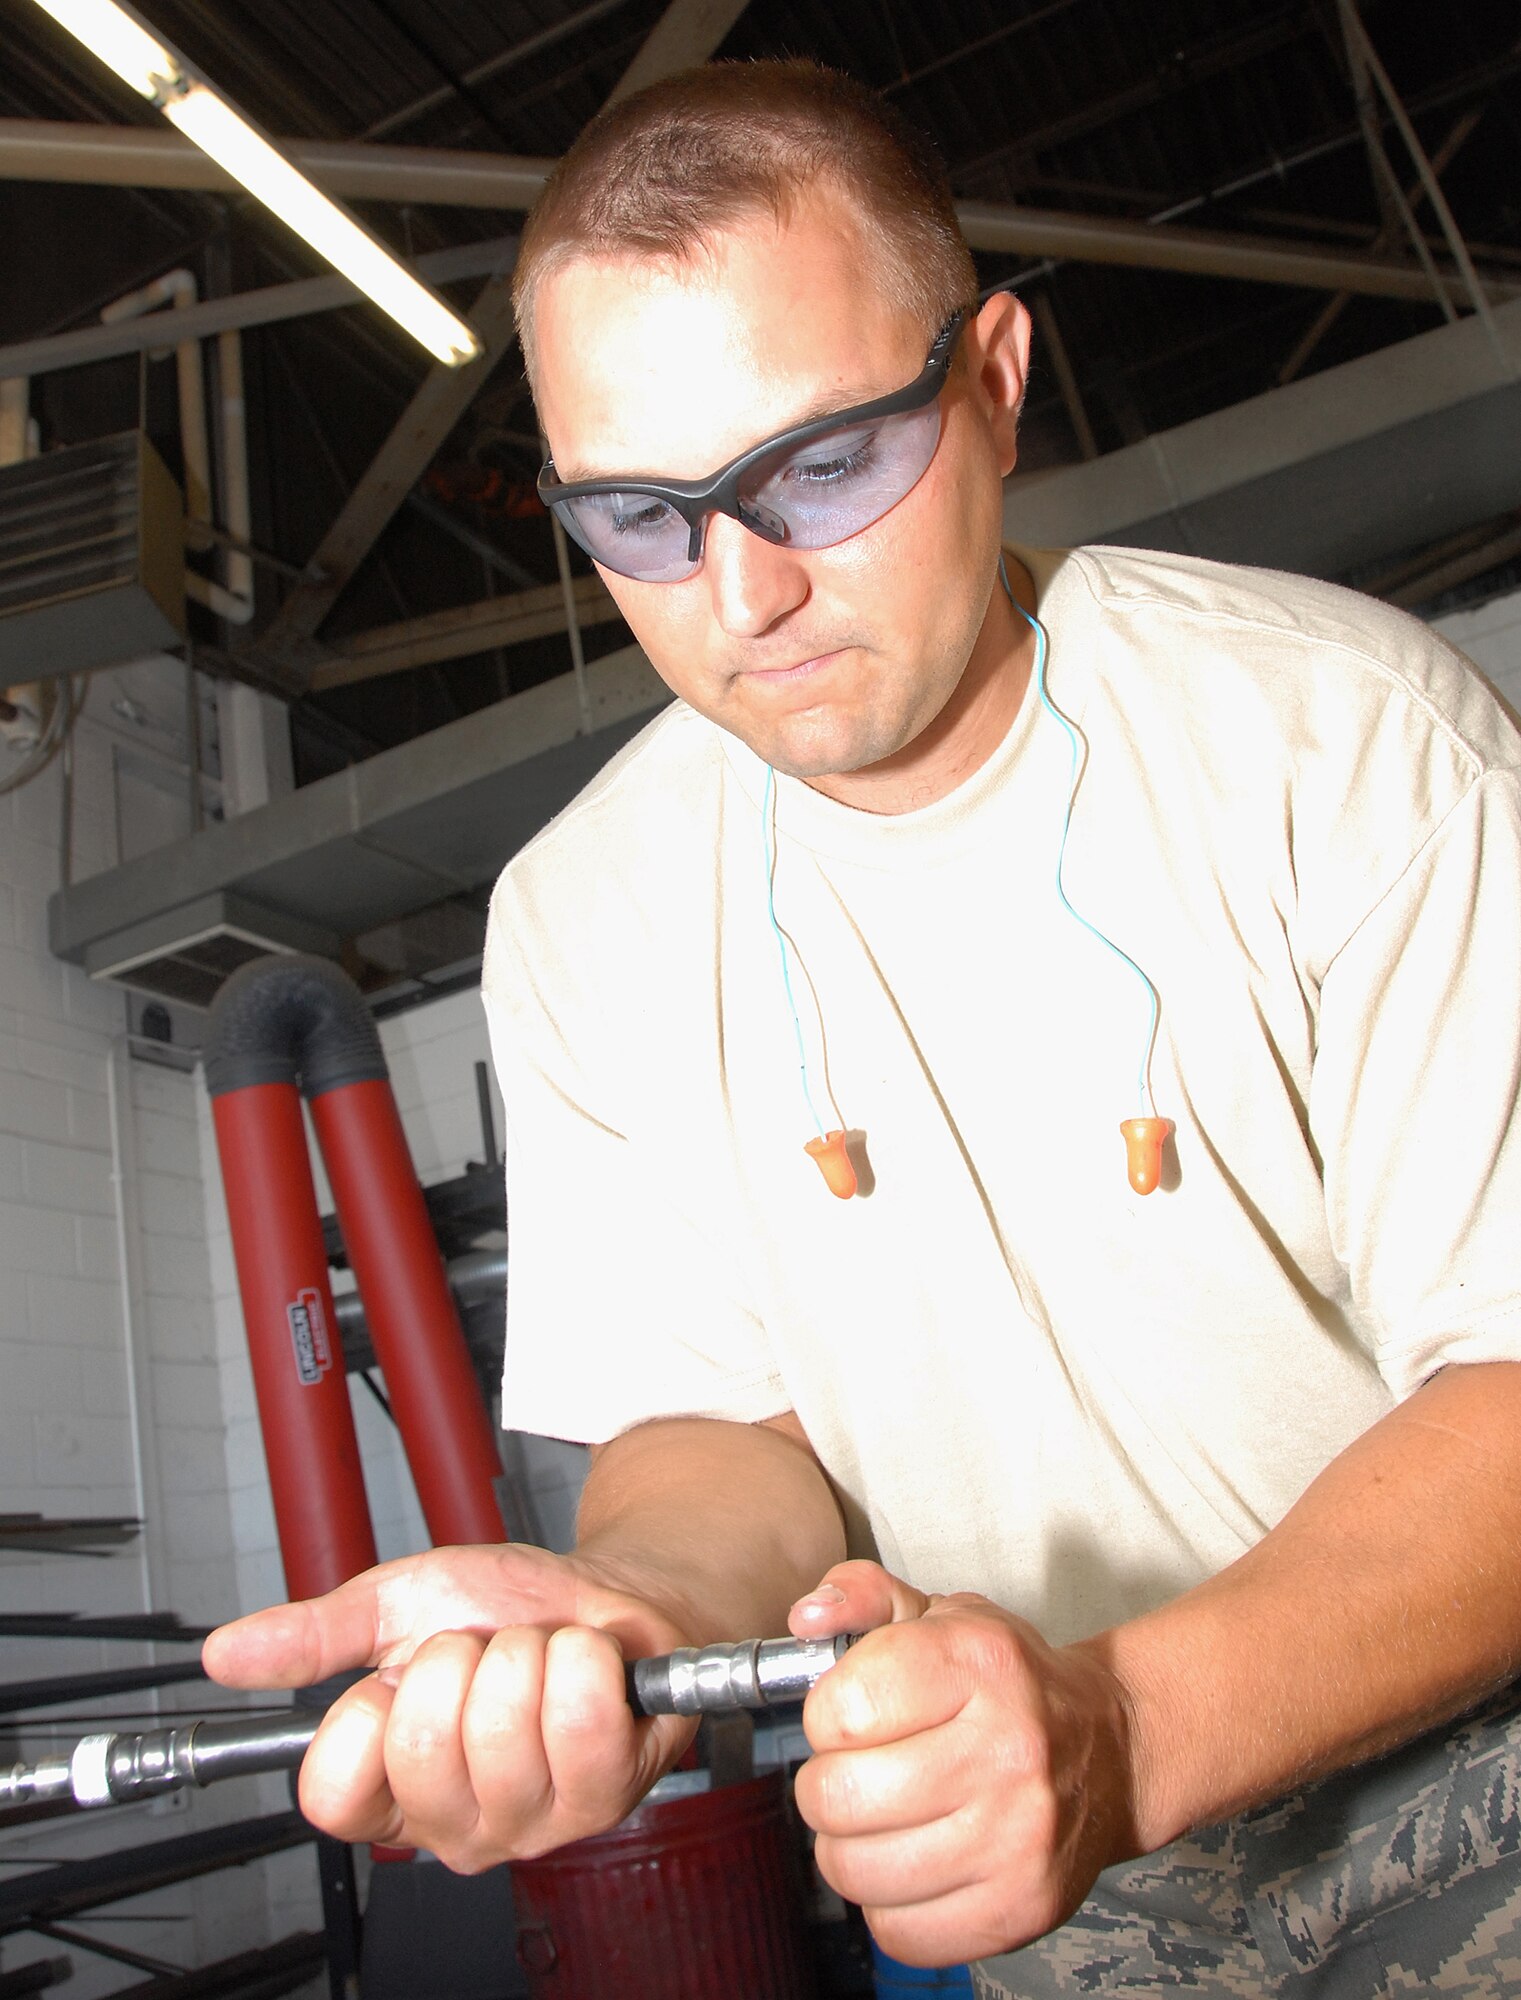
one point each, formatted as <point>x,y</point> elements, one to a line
<point>837,484</point>
<point>636,534</point>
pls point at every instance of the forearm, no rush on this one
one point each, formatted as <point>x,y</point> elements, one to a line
<point>724,1524</point>
<point>1386,1600</point>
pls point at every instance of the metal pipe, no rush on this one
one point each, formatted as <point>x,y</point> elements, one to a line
<point>115,1767</point>
<point>179,289</point>
<point>235,601</point>
<point>237,510</point>
<point>1100,240</point>
<point>48,150</point>
<point>263,307</point>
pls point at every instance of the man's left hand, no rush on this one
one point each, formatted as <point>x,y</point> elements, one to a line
<point>969,1780</point>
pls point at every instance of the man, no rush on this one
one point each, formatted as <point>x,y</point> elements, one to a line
<point>1218,1477</point>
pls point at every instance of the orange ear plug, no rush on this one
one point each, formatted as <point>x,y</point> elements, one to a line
<point>834,1164</point>
<point>1144,1140</point>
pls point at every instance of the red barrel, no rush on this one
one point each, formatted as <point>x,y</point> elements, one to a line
<point>699,1896</point>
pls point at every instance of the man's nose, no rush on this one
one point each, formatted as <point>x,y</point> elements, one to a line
<point>753,583</point>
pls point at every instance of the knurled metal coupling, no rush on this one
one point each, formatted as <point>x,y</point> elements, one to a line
<point>755,1673</point>
<point>112,1768</point>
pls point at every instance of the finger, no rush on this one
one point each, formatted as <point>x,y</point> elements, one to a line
<point>343,1786</point>
<point>855,1597</point>
<point>601,1761</point>
<point>890,1788</point>
<point>901,1869</point>
<point>426,1764</point>
<point>294,1645</point>
<point>913,1676</point>
<point>502,1733</point>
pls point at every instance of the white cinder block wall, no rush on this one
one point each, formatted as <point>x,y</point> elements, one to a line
<point>124,1382</point>
<point>1491,637</point>
<point>110,1396</point>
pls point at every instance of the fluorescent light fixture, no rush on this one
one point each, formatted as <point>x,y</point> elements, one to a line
<point>121,41</point>
<point>212,124</point>
<point>158,72</point>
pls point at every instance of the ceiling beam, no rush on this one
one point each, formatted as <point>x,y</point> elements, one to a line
<point>1336,305</point>
<point>465,628</point>
<point>420,175</point>
<point>434,410</point>
<point>48,149</point>
<point>262,307</point>
<point>1091,239</point>
<point>686,34</point>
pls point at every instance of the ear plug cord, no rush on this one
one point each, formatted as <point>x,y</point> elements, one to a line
<point>827,1149</point>
<point>1146,1134</point>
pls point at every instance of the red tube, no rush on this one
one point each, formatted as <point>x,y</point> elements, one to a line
<point>321,1511</point>
<point>409,1309</point>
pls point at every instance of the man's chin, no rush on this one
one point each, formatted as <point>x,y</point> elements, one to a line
<point>812,763</point>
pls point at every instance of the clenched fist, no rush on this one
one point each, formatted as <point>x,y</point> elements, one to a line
<point>495,1725</point>
<point>969,1781</point>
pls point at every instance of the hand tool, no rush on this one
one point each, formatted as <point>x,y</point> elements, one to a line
<point>111,1768</point>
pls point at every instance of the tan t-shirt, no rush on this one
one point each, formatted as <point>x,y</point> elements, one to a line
<point>1299,813</point>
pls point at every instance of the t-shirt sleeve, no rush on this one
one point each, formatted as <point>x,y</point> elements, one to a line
<point>1416,1099</point>
<point>621,1308</point>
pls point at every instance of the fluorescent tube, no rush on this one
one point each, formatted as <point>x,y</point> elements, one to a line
<point>206,118</point>
<point>121,42</point>
<point>219,130</point>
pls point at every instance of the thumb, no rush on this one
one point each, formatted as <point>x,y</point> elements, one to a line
<point>296,1645</point>
<point>855,1597</point>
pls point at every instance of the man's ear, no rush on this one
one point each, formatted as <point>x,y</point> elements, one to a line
<point>998,353</point>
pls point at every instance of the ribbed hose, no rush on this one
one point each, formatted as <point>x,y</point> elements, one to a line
<point>291,1019</point>
<point>281,1024</point>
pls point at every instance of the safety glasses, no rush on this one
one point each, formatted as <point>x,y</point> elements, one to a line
<point>806,488</point>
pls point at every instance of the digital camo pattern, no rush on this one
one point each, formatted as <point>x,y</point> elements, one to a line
<point>1400,1877</point>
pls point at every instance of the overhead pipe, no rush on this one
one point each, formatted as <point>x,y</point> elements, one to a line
<point>235,600</point>
<point>45,149</point>
<point>290,1024</point>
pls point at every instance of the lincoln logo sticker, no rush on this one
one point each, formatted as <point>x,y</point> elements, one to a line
<point>308,1333</point>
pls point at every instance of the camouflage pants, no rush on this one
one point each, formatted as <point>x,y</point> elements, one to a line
<point>1400,1877</point>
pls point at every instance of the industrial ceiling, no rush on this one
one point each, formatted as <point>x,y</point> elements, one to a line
<point>1201,200</point>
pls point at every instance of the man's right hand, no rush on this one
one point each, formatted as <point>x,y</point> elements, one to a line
<point>495,1726</point>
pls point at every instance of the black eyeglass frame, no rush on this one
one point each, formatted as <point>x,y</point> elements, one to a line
<point>695,499</point>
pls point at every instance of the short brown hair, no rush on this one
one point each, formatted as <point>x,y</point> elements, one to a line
<point>663,172</point>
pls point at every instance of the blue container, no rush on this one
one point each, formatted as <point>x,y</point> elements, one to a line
<point>911,1982</point>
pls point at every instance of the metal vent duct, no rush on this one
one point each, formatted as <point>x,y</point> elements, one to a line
<point>1348,468</point>
<point>92,562</point>
<point>409,829</point>
<point>186,955</point>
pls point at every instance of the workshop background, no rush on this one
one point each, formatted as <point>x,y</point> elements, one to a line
<point>1266,330</point>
